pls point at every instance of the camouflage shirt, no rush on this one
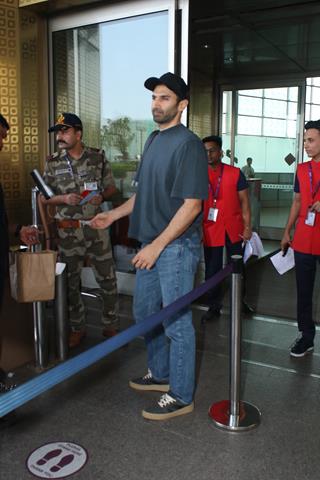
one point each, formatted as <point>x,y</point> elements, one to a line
<point>67,175</point>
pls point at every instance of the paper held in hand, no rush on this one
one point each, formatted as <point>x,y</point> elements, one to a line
<point>253,247</point>
<point>283,263</point>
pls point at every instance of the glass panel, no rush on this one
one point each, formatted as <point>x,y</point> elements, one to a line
<point>224,123</point>
<point>271,143</point>
<point>249,105</point>
<point>226,106</point>
<point>275,108</point>
<point>293,94</point>
<point>315,95</point>
<point>252,93</point>
<point>292,110</point>
<point>104,86</point>
<point>315,112</point>
<point>277,93</point>
<point>308,114</point>
<point>248,125</point>
<point>308,94</point>
<point>274,128</point>
<point>292,128</point>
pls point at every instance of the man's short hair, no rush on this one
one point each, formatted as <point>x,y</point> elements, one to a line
<point>213,138</point>
<point>4,123</point>
<point>312,124</point>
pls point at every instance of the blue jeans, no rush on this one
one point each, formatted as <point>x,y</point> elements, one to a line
<point>171,346</point>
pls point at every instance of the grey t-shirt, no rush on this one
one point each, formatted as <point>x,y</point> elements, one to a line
<point>174,167</point>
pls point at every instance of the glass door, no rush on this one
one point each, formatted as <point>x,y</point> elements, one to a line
<point>260,135</point>
<point>100,60</point>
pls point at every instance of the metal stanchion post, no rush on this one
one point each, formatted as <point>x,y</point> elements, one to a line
<point>39,318</point>
<point>61,315</point>
<point>233,414</point>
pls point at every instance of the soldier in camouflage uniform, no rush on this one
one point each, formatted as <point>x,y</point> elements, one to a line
<point>72,173</point>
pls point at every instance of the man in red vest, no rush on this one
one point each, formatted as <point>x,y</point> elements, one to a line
<point>226,219</point>
<point>304,214</point>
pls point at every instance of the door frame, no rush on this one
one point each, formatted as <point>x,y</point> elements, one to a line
<point>301,104</point>
<point>178,47</point>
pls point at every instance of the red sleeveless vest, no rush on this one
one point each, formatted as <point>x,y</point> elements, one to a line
<point>306,238</point>
<point>229,219</point>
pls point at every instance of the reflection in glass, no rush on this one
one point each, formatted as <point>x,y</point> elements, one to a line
<point>99,73</point>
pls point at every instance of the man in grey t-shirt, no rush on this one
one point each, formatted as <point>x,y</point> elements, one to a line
<point>165,217</point>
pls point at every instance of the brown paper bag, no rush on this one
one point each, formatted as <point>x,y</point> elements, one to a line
<point>32,276</point>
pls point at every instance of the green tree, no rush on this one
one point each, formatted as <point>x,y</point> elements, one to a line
<point>117,134</point>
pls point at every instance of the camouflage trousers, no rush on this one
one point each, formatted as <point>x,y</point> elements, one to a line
<point>75,245</point>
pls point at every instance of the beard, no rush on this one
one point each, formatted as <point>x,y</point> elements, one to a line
<point>160,117</point>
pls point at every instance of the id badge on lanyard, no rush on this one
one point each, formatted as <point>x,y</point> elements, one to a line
<point>91,186</point>
<point>212,214</point>
<point>213,211</point>
<point>311,216</point>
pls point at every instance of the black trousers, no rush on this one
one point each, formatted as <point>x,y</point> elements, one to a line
<point>213,257</point>
<point>306,265</point>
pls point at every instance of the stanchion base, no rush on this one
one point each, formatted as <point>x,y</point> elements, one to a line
<point>249,417</point>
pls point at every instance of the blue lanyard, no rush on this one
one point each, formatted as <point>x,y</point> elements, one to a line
<point>217,189</point>
<point>313,191</point>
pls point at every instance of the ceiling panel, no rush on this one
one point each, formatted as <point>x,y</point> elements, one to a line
<point>244,38</point>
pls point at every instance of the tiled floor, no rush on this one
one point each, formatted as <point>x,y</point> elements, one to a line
<point>98,410</point>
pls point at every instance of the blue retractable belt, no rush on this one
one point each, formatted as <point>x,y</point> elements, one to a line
<point>31,389</point>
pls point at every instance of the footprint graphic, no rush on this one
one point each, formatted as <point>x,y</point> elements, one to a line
<point>48,456</point>
<point>63,463</point>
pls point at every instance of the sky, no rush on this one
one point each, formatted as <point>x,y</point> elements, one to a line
<point>132,50</point>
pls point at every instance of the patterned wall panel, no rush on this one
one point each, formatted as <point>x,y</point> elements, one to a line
<point>10,165</point>
<point>20,100</point>
<point>30,102</point>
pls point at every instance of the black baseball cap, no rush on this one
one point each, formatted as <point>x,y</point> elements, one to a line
<point>170,80</point>
<point>66,119</point>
